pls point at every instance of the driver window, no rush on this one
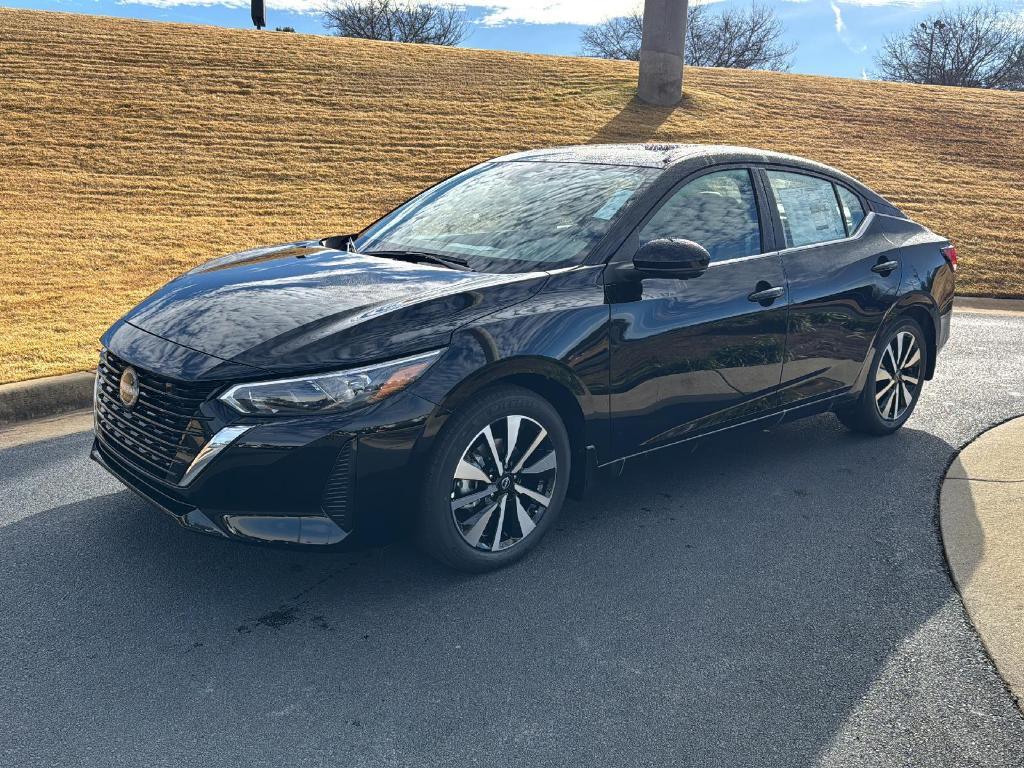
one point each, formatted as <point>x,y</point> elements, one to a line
<point>717,210</point>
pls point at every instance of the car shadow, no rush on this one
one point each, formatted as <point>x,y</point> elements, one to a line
<point>733,602</point>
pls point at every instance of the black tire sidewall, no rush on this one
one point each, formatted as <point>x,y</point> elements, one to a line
<point>437,532</point>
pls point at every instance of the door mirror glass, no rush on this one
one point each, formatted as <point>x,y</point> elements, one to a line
<point>671,258</point>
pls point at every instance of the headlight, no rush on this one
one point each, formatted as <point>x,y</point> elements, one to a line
<point>328,392</point>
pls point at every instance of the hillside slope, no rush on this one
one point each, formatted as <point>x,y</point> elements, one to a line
<point>132,150</point>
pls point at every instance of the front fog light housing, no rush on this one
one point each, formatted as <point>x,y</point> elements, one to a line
<point>328,392</point>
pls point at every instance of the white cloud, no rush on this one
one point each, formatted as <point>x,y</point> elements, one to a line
<point>898,3</point>
<point>297,6</point>
<point>840,24</point>
<point>844,33</point>
<point>500,12</point>
<point>493,12</point>
<point>556,11</point>
<point>561,11</point>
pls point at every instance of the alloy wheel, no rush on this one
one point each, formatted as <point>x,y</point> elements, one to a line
<point>503,483</point>
<point>898,377</point>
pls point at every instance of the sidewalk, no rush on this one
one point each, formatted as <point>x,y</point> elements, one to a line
<point>982,519</point>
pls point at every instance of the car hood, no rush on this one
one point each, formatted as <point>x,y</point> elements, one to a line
<point>303,306</point>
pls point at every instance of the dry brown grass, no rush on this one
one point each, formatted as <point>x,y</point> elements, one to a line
<point>132,150</point>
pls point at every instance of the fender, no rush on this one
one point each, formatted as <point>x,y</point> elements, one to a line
<point>917,303</point>
<point>548,377</point>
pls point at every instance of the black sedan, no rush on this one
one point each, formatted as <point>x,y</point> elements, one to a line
<point>461,365</point>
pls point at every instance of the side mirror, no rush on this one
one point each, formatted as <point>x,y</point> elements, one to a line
<point>671,258</point>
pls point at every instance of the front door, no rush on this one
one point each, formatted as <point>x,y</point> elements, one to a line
<point>691,356</point>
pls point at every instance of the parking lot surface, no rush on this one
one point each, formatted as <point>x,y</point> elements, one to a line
<point>769,598</point>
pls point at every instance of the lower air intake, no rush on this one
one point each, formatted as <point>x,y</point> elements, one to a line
<point>336,501</point>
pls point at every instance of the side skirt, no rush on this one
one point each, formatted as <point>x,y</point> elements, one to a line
<point>775,417</point>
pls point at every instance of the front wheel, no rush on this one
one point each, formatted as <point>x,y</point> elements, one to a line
<point>894,381</point>
<point>495,481</point>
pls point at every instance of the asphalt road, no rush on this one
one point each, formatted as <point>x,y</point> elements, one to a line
<point>775,598</point>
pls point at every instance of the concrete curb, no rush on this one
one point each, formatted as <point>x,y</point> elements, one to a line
<point>989,306</point>
<point>50,396</point>
<point>980,506</point>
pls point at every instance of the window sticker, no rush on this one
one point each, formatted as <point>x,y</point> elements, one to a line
<point>614,203</point>
<point>812,213</point>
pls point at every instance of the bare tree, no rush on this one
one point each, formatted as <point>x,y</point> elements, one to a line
<point>979,46</point>
<point>743,39</point>
<point>401,21</point>
<point>617,38</point>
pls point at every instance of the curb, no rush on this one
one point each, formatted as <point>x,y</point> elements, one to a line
<point>50,396</point>
<point>988,305</point>
<point>980,502</point>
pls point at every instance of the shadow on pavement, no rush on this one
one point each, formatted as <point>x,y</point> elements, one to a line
<point>963,523</point>
<point>725,605</point>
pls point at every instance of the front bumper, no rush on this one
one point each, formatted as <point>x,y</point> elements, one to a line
<point>302,481</point>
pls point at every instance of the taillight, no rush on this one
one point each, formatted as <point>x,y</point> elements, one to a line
<point>950,253</point>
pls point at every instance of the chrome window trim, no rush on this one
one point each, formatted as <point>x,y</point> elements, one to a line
<point>751,257</point>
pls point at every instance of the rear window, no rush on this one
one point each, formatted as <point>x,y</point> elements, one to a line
<point>853,209</point>
<point>808,208</point>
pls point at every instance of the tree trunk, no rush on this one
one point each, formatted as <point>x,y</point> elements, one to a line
<point>661,52</point>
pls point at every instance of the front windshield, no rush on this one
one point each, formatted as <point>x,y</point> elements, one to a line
<point>511,216</point>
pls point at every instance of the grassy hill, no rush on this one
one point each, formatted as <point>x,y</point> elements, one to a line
<point>132,150</point>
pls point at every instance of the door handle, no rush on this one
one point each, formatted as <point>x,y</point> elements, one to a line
<point>885,267</point>
<point>767,295</point>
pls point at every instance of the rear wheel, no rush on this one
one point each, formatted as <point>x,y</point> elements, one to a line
<point>894,382</point>
<point>496,480</point>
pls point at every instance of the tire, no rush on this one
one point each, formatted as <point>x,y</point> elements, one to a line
<point>466,497</point>
<point>894,381</point>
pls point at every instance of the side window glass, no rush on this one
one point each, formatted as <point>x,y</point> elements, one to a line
<point>853,209</point>
<point>808,208</point>
<point>717,210</point>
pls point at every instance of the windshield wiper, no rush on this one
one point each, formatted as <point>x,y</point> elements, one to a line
<point>445,261</point>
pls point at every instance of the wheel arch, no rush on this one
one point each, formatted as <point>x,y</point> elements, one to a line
<point>920,307</point>
<point>547,378</point>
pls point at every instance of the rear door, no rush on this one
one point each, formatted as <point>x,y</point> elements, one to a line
<point>690,356</point>
<point>843,275</point>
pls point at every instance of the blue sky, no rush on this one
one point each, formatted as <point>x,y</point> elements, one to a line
<point>835,37</point>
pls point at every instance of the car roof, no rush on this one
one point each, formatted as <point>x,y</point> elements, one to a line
<point>681,157</point>
<point>655,155</point>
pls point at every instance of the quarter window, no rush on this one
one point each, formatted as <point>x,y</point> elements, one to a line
<point>853,209</point>
<point>717,210</point>
<point>808,208</point>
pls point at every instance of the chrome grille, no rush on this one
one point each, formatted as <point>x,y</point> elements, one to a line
<point>162,432</point>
